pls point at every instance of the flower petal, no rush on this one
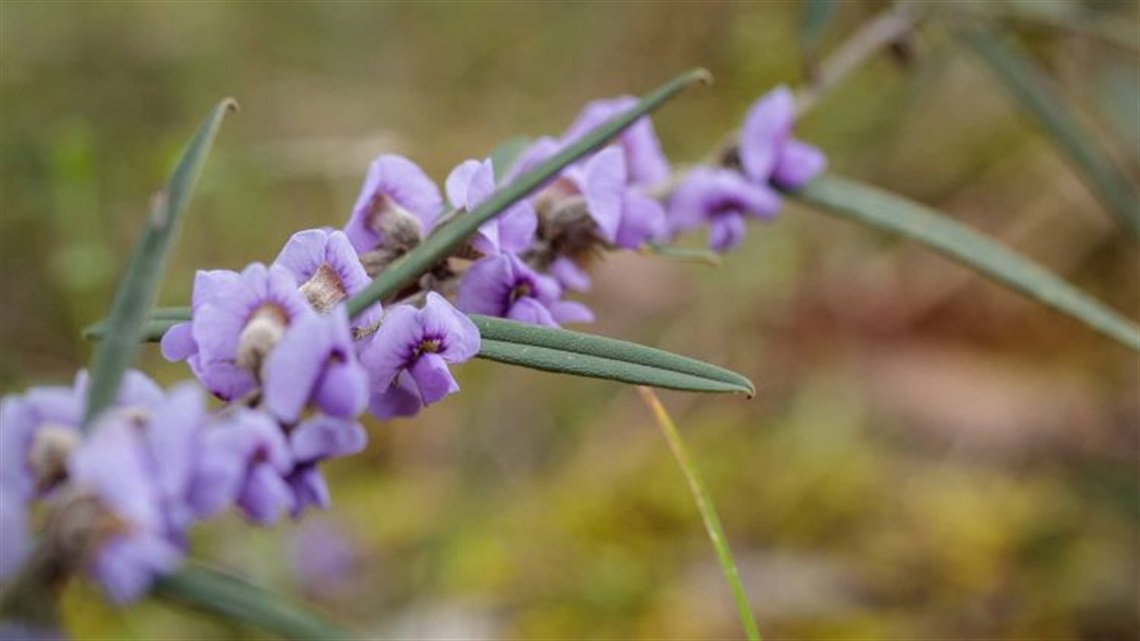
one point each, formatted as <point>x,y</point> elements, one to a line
<point>432,378</point>
<point>798,163</point>
<point>767,126</point>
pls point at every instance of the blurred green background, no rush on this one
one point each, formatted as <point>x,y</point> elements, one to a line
<point>930,455</point>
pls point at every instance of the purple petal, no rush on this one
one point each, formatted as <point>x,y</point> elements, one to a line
<point>432,378</point>
<point>459,334</point>
<point>125,566</point>
<point>178,343</point>
<point>486,286</point>
<point>304,253</point>
<point>309,488</point>
<point>517,227</point>
<point>397,399</point>
<point>569,274</point>
<point>392,346</point>
<point>567,311</point>
<point>266,495</point>
<point>642,221</point>
<point>458,182</point>
<point>639,144</point>
<point>767,126</point>
<point>324,437</point>
<point>726,232</point>
<point>343,390</point>
<point>603,185</point>
<point>294,367</point>
<point>798,163</point>
<point>529,310</point>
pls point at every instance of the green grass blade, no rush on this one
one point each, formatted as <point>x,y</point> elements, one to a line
<point>446,239</point>
<point>817,15</point>
<point>939,232</point>
<point>231,598</point>
<point>566,352</point>
<point>152,332</point>
<point>708,512</point>
<point>127,320</point>
<point>1037,95</point>
<point>505,155</point>
<point>696,255</point>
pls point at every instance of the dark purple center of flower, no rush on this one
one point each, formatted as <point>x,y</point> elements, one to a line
<point>523,288</point>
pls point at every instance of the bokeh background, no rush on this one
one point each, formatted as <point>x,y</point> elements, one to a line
<point>930,455</point>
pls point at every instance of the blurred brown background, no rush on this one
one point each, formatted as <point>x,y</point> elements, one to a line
<point>930,455</point>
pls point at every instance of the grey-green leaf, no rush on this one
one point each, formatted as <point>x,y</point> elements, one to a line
<point>817,14</point>
<point>567,352</point>
<point>447,238</point>
<point>232,598</point>
<point>892,213</point>
<point>1037,95</point>
<point>127,320</point>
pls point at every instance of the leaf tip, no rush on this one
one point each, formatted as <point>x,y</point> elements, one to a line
<point>702,76</point>
<point>230,104</point>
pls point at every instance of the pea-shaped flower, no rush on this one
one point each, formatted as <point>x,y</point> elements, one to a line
<point>397,205</point>
<point>505,286</point>
<point>407,358</point>
<point>721,198</point>
<point>768,153</point>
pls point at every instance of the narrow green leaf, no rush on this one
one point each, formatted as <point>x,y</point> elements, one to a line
<point>1037,95</point>
<point>447,238</point>
<point>126,322</point>
<point>153,329</point>
<point>817,14</point>
<point>505,155</point>
<point>895,214</point>
<point>232,598</point>
<point>707,508</point>
<point>684,254</point>
<point>566,352</point>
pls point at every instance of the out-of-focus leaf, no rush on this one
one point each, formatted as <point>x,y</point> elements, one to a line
<point>707,508</point>
<point>229,597</point>
<point>135,295</point>
<point>684,254</point>
<point>895,214</point>
<point>507,153</point>
<point>448,237</point>
<point>1037,95</point>
<point>153,329</point>
<point>817,14</point>
<point>566,352</point>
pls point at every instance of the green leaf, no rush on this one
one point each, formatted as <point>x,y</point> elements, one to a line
<point>684,254</point>
<point>817,14</point>
<point>153,329</point>
<point>232,598</point>
<point>1037,95</point>
<point>507,153</point>
<point>895,214</point>
<point>446,239</point>
<point>566,352</point>
<point>703,498</point>
<point>126,322</point>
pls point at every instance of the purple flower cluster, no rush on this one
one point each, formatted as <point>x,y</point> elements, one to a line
<point>769,158</point>
<point>276,345</point>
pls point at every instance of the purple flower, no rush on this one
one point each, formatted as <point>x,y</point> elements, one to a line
<point>236,323</point>
<point>767,150</point>
<point>408,355</point>
<point>720,197</point>
<point>569,274</point>
<point>325,265</point>
<point>398,203</point>
<point>249,450</point>
<point>638,143</point>
<point>473,182</point>
<point>113,465</point>
<point>505,286</point>
<point>315,362</point>
<point>323,558</point>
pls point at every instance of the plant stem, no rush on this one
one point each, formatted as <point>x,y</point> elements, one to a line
<point>707,509</point>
